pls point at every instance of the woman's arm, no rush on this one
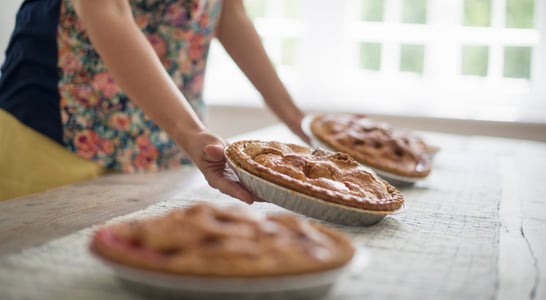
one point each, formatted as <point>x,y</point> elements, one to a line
<point>240,39</point>
<point>136,68</point>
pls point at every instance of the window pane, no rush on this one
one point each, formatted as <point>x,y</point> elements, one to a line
<point>477,12</point>
<point>370,56</point>
<point>520,13</point>
<point>255,8</point>
<point>289,52</point>
<point>372,10</point>
<point>414,11</point>
<point>517,62</point>
<point>411,58</point>
<point>475,60</point>
<point>292,8</point>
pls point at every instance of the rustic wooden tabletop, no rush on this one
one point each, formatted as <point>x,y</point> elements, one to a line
<point>474,229</point>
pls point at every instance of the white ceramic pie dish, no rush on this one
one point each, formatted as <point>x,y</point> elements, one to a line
<point>307,205</point>
<point>304,286</point>
<point>394,179</point>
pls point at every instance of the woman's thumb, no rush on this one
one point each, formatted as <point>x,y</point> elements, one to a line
<point>214,152</point>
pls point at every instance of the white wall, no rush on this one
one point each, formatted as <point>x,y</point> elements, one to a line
<point>8,9</point>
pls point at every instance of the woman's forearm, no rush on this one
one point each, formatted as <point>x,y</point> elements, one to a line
<point>238,36</point>
<point>136,68</point>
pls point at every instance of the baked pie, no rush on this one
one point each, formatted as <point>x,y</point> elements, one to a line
<point>374,144</point>
<point>206,240</point>
<point>328,176</point>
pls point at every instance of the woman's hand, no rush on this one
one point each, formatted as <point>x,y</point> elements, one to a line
<point>294,123</point>
<point>207,152</point>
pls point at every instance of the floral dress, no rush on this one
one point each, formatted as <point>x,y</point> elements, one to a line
<point>98,121</point>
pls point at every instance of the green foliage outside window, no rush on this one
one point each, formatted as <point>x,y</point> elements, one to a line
<point>517,62</point>
<point>520,13</point>
<point>370,56</point>
<point>412,58</point>
<point>372,10</point>
<point>477,13</point>
<point>414,11</point>
<point>475,60</point>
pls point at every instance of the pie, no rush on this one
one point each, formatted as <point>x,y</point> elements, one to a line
<point>207,240</point>
<point>324,175</point>
<point>374,144</point>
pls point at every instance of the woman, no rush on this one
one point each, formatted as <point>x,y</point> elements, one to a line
<point>95,85</point>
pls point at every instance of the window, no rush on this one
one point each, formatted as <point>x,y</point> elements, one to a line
<point>414,11</point>
<point>412,58</point>
<point>372,10</point>
<point>483,59</point>
<point>474,60</point>
<point>370,56</point>
<point>477,13</point>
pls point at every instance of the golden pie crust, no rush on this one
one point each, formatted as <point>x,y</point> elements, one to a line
<point>375,144</point>
<point>328,176</point>
<point>206,240</point>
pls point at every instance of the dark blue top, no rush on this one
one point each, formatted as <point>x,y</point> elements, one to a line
<point>29,74</point>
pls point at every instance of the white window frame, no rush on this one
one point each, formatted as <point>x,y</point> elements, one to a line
<point>327,76</point>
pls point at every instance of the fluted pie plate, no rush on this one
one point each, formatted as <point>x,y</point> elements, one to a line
<point>210,252</point>
<point>303,286</point>
<point>319,184</point>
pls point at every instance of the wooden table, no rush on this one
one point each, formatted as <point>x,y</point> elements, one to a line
<point>475,228</point>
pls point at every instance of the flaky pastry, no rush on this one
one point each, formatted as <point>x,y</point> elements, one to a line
<point>328,176</point>
<point>207,240</point>
<point>374,144</point>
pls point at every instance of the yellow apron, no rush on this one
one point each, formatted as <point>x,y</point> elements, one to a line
<point>30,162</point>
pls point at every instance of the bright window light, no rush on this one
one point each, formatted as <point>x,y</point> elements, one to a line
<point>474,59</point>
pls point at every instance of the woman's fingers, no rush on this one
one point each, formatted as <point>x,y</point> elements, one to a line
<point>215,153</point>
<point>220,176</point>
<point>228,183</point>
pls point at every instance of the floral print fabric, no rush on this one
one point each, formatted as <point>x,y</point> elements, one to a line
<point>99,122</point>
